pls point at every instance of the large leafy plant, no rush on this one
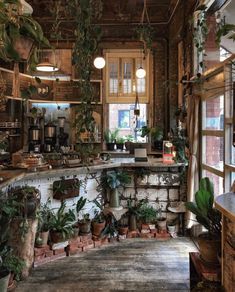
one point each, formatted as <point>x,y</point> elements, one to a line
<point>62,220</point>
<point>115,178</point>
<point>203,208</point>
<point>15,25</point>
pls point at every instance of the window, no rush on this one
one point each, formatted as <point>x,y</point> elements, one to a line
<point>121,81</point>
<point>218,154</point>
<point>122,87</point>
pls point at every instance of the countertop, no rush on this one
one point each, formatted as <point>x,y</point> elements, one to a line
<point>11,176</point>
<point>226,205</point>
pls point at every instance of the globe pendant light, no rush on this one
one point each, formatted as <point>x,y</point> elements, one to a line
<point>140,72</point>
<point>99,62</point>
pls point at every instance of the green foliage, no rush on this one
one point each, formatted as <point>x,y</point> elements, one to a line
<point>13,26</point>
<point>14,264</point>
<point>99,217</point>
<point>134,206</point>
<point>200,34</point>
<point>145,34</point>
<point>147,213</point>
<point>28,92</point>
<point>115,178</point>
<point>120,140</point>
<point>155,132</point>
<point>223,30</point>
<point>80,204</point>
<point>179,141</point>
<point>203,208</point>
<point>111,136</point>
<point>87,36</point>
<point>62,220</point>
<point>44,216</point>
<point>129,138</point>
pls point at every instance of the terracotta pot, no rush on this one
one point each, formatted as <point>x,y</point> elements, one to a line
<point>4,280</point>
<point>97,227</point>
<point>123,230</point>
<point>75,231</point>
<point>209,248</point>
<point>84,226</point>
<point>161,223</point>
<point>56,236</point>
<point>44,236</point>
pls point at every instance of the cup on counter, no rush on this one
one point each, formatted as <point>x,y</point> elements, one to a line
<point>105,156</point>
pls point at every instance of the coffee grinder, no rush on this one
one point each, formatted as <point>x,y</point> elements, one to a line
<point>63,136</point>
<point>49,137</point>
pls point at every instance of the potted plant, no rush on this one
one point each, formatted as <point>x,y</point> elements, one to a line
<point>134,211</point>
<point>148,214</point>
<point>156,133</point>
<point>120,143</point>
<point>19,33</point>
<point>44,217</point>
<point>161,221</point>
<point>61,224</point>
<point>98,223</point>
<point>209,242</point>
<point>129,139</point>
<point>110,138</point>
<point>85,224</point>
<point>123,226</point>
<point>111,181</point>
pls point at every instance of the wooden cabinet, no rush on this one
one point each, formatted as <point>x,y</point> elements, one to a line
<point>226,204</point>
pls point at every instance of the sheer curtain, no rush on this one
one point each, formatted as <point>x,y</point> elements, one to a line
<point>193,134</point>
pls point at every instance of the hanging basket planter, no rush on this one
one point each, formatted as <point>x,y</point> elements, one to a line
<point>65,189</point>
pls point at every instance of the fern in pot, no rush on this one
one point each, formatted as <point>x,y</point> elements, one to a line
<point>209,242</point>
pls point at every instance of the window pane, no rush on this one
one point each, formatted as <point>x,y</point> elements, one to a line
<point>124,119</point>
<point>113,77</point>
<point>217,182</point>
<point>127,81</point>
<point>213,154</point>
<point>213,113</point>
<point>118,114</point>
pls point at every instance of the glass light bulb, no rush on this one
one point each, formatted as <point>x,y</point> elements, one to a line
<point>140,73</point>
<point>99,62</point>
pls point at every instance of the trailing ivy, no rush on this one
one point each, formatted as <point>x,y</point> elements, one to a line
<point>87,36</point>
<point>200,34</point>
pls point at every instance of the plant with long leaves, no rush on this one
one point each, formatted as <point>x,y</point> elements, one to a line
<point>62,220</point>
<point>203,208</point>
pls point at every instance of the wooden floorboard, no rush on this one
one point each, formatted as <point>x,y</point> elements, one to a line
<point>131,265</point>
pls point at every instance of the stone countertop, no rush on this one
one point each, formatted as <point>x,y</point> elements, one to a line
<point>226,205</point>
<point>11,176</point>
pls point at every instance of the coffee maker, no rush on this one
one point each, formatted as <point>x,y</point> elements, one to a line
<point>49,137</point>
<point>34,138</point>
<point>63,136</point>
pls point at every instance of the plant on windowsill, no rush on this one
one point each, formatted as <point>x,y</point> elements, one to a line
<point>210,218</point>
<point>129,139</point>
<point>156,134</point>
<point>110,138</point>
<point>120,143</point>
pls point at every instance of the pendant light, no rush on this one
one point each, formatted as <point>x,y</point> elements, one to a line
<point>140,72</point>
<point>99,62</point>
<point>46,67</point>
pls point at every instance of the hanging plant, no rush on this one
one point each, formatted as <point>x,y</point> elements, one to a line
<point>145,34</point>
<point>223,30</point>
<point>87,36</point>
<point>200,34</point>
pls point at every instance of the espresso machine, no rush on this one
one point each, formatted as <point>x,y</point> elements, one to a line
<point>34,138</point>
<point>49,137</point>
<point>63,136</point>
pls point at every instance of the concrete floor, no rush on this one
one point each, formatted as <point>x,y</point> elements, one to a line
<point>132,265</point>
